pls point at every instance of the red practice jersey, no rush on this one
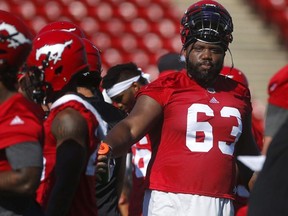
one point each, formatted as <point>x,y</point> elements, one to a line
<point>199,132</point>
<point>141,154</point>
<point>20,121</point>
<point>84,202</point>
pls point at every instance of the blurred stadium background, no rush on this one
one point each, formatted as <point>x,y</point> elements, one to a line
<point>142,30</point>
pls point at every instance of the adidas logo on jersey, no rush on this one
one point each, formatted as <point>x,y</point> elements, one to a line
<point>214,100</point>
<point>16,121</point>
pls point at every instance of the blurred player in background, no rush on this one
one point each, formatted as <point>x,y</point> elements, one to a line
<point>277,107</point>
<point>21,133</point>
<point>268,196</point>
<point>170,62</point>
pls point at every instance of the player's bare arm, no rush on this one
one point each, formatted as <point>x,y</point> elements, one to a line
<point>21,182</point>
<point>23,179</point>
<point>248,146</point>
<point>70,130</point>
<point>69,124</point>
<point>144,114</point>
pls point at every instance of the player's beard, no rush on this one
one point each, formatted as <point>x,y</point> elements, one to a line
<point>204,77</point>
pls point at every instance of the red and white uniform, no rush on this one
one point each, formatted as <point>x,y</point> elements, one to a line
<point>20,121</point>
<point>200,129</point>
<point>84,202</point>
<point>141,154</point>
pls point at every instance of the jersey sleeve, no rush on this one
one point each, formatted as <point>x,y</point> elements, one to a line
<point>31,155</point>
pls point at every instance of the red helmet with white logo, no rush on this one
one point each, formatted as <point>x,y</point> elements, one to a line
<point>64,26</point>
<point>60,55</point>
<point>15,41</point>
<point>206,21</point>
<point>235,74</point>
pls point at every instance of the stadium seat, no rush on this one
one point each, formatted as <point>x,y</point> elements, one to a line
<point>78,10</point>
<point>139,26</point>
<point>126,11</point>
<point>90,25</point>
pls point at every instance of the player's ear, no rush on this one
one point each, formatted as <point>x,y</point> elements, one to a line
<point>136,86</point>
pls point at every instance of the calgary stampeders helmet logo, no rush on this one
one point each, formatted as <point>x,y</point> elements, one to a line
<point>14,37</point>
<point>54,52</point>
<point>15,41</point>
<point>60,55</point>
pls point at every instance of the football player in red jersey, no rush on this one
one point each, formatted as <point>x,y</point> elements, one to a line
<point>206,123</point>
<point>72,130</point>
<point>122,82</point>
<point>21,125</point>
<point>277,108</point>
<point>269,196</point>
<point>107,194</point>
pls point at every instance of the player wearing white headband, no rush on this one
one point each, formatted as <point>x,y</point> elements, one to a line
<point>122,83</point>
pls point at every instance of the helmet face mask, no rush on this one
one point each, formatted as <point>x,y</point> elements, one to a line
<point>32,83</point>
<point>206,21</point>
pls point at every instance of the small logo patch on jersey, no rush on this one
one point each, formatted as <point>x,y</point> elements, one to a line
<point>16,121</point>
<point>214,100</point>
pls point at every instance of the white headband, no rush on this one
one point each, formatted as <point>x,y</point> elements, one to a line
<point>121,86</point>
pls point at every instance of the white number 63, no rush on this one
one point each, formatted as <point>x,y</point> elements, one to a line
<point>193,126</point>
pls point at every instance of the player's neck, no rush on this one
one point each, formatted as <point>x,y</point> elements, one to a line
<point>5,94</point>
<point>85,91</point>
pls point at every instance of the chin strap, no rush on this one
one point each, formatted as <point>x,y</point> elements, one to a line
<point>231,57</point>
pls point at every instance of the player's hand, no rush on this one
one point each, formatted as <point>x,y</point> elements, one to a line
<point>101,167</point>
<point>253,180</point>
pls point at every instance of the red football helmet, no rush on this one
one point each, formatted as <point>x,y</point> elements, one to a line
<point>93,56</point>
<point>15,41</point>
<point>207,21</point>
<point>92,78</point>
<point>60,55</point>
<point>64,26</point>
<point>235,74</point>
